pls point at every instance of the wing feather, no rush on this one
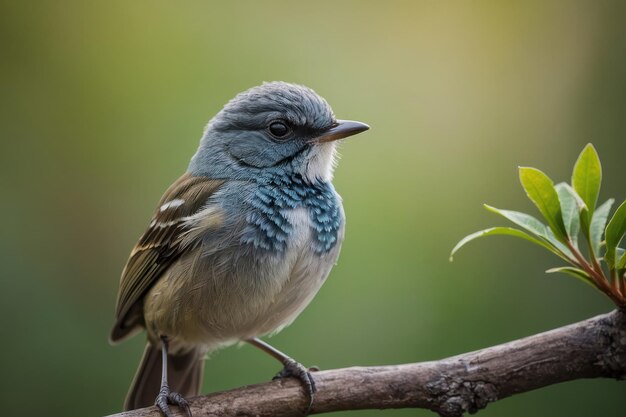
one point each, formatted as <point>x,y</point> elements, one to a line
<point>161,244</point>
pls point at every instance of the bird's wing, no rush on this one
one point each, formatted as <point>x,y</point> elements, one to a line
<point>161,244</point>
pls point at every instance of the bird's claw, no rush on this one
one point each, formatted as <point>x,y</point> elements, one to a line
<point>167,397</point>
<point>297,370</point>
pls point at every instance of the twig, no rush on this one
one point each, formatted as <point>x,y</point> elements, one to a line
<point>594,348</point>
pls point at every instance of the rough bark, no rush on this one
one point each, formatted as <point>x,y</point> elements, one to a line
<point>594,348</point>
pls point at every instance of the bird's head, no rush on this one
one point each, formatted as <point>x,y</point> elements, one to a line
<point>276,125</point>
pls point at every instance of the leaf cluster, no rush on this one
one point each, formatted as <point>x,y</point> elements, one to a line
<point>576,229</point>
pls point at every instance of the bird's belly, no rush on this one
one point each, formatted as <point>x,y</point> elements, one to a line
<point>239,293</point>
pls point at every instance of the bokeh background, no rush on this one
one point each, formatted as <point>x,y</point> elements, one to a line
<point>103,104</point>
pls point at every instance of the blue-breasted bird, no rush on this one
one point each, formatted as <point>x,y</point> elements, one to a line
<point>239,245</point>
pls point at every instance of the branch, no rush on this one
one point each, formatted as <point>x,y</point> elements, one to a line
<point>594,348</point>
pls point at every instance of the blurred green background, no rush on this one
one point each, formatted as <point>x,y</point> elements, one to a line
<point>103,104</point>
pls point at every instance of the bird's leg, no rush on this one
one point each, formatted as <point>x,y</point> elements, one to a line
<point>290,368</point>
<point>166,396</point>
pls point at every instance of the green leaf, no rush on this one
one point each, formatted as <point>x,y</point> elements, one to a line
<point>524,220</point>
<point>614,232</point>
<point>499,231</point>
<point>585,221</point>
<point>586,179</point>
<point>540,190</point>
<point>575,272</point>
<point>621,255</point>
<point>598,223</point>
<point>571,205</point>
<point>534,226</point>
<point>560,246</point>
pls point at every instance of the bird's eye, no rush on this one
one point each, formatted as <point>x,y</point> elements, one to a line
<point>279,129</point>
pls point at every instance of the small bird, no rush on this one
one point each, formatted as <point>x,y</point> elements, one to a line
<point>239,245</point>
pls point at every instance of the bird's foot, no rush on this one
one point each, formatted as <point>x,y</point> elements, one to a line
<point>297,370</point>
<point>167,397</point>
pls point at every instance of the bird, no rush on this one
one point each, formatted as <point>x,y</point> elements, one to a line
<point>239,245</point>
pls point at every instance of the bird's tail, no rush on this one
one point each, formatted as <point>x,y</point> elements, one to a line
<point>184,375</point>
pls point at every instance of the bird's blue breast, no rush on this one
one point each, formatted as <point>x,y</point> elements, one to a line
<point>279,192</point>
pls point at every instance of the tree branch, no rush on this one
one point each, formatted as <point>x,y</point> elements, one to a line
<point>592,348</point>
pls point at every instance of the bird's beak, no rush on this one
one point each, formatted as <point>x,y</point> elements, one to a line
<point>341,129</point>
